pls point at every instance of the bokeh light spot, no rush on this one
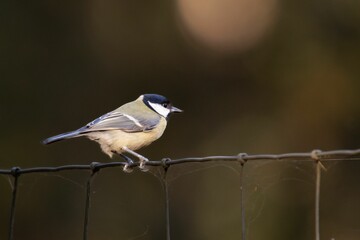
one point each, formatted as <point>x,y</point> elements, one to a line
<point>227,25</point>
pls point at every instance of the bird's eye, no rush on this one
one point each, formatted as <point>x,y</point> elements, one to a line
<point>165,105</point>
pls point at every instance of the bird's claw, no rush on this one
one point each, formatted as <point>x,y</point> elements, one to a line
<point>142,164</point>
<point>141,158</point>
<point>127,168</point>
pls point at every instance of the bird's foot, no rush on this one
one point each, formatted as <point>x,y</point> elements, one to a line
<point>143,160</point>
<point>142,165</point>
<point>127,168</point>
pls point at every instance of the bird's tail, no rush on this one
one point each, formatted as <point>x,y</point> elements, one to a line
<point>62,136</point>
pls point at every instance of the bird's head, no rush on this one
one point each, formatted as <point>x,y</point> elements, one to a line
<point>159,104</point>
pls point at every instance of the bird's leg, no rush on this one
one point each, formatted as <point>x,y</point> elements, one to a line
<point>141,158</point>
<point>129,162</point>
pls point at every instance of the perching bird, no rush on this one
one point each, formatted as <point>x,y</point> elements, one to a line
<point>132,126</point>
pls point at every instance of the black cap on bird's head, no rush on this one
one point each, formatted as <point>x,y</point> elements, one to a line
<point>160,104</point>
<point>155,98</point>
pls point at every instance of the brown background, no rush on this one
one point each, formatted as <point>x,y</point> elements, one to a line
<point>260,76</point>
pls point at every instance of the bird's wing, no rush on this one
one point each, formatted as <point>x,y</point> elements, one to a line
<point>120,121</point>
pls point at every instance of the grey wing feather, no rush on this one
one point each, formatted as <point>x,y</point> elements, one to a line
<point>111,121</point>
<point>61,137</point>
<point>117,120</point>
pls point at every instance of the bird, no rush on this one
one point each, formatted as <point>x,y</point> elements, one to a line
<point>128,128</point>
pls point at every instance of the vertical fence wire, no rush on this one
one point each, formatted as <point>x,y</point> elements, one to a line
<point>316,156</point>
<point>242,199</point>
<point>167,208</point>
<point>242,205</point>
<point>15,174</point>
<point>88,200</point>
<point>317,200</point>
<point>166,193</point>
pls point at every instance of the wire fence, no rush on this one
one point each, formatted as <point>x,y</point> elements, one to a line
<point>316,156</point>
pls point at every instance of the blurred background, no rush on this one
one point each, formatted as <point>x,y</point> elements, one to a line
<point>255,76</point>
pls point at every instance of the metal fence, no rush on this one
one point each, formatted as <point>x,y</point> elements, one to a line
<point>316,156</point>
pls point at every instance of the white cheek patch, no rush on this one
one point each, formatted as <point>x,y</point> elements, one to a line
<point>160,109</point>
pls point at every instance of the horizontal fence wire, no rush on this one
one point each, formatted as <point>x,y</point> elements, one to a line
<point>317,156</point>
<point>324,156</point>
